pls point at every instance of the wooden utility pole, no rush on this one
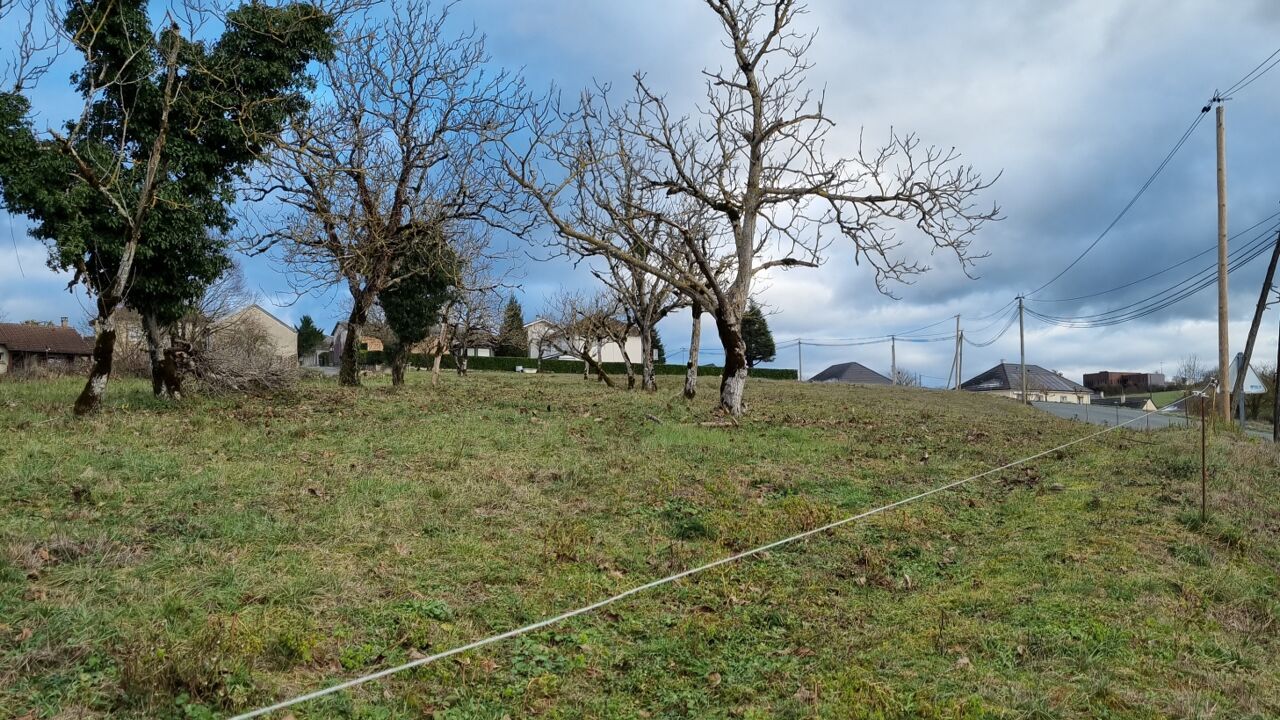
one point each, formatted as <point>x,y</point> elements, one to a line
<point>1022,349</point>
<point>960,361</point>
<point>1204,465</point>
<point>957,357</point>
<point>893,359</point>
<point>1224,359</point>
<point>1237,389</point>
<point>800,360</point>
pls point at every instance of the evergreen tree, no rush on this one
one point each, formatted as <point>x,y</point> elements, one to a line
<point>513,341</point>
<point>309,336</point>
<point>659,351</point>
<point>758,337</point>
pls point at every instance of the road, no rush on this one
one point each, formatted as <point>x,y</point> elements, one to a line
<point>1113,415</point>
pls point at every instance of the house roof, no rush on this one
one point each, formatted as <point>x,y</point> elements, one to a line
<point>851,372</point>
<point>21,337</point>
<point>1007,376</point>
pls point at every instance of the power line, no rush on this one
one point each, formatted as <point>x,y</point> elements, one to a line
<point>1132,201</point>
<point>1013,317</point>
<point>1158,273</point>
<point>1250,76</point>
<point>1156,303</point>
<point>667,580</point>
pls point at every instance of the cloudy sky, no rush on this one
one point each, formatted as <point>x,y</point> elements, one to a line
<point>1072,103</point>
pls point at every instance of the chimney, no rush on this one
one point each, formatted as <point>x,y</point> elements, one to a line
<point>64,321</point>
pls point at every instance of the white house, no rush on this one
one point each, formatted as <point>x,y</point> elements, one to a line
<point>547,345</point>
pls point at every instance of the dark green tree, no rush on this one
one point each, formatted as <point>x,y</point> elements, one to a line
<point>413,303</point>
<point>758,337</point>
<point>659,350</point>
<point>128,195</point>
<point>513,341</point>
<point>164,292</point>
<point>309,336</point>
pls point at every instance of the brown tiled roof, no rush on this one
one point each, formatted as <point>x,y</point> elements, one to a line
<point>43,338</point>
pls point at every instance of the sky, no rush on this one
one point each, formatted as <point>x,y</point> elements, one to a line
<point>1071,104</point>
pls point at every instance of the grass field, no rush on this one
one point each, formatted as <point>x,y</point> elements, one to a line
<point>191,561</point>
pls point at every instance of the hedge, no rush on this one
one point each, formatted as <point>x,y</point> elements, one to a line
<point>509,364</point>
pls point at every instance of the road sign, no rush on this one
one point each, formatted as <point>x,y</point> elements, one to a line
<point>1252,384</point>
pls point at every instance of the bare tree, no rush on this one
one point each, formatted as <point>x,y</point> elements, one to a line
<point>397,145</point>
<point>906,378</point>
<point>752,159</point>
<point>1191,371</point>
<point>580,325</point>
<point>644,299</point>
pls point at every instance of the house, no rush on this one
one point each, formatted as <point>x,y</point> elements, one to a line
<point>24,346</point>
<point>1107,380</point>
<point>853,373</point>
<point>1005,380</point>
<point>339,338</point>
<point>546,344</point>
<point>253,329</point>
<point>321,356</point>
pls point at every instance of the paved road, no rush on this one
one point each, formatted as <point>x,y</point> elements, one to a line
<point>1114,415</point>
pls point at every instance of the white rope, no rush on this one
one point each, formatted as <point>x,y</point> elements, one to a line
<point>664,581</point>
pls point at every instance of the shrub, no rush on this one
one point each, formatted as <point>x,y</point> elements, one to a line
<point>509,364</point>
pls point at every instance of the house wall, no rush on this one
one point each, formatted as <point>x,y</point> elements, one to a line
<point>280,338</point>
<point>13,361</point>
<point>607,351</point>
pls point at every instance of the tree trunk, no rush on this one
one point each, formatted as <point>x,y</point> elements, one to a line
<point>165,379</point>
<point>626,364</point>
<point>648,381</point>
<point>399,359</point>
<point>437,352</point>
<point>104,346</point>
<point>349,373</point>
<point>734,379</point>
<point>155,353</point>
<point>695,342</point>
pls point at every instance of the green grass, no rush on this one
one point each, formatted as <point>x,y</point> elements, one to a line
<point>192,561</point>
<point>1167,397</point>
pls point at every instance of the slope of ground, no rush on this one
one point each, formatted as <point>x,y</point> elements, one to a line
<point>196,560</point>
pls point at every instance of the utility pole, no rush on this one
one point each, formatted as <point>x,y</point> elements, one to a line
<point>1238,388</point>
<point>957,358</point>
<point>1022,347</point>
<point>960,361</point>
<point>893,359</point>
<point>800,360</point>
<point>1224,401</point>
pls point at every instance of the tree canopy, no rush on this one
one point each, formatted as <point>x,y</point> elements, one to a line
<point>759,339</point>
<point>126,195</point>
<point>309,336</point>
<point>513,340</point>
